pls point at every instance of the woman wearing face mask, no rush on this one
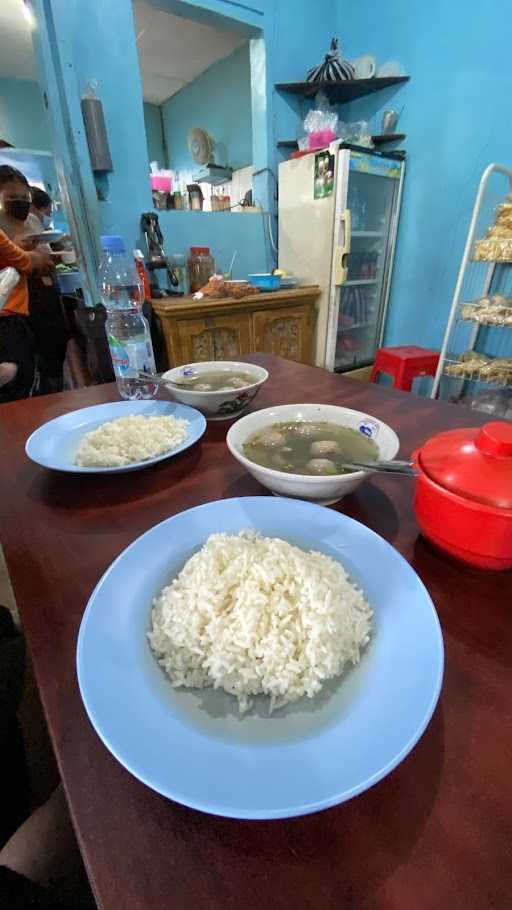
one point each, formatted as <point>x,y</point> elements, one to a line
<point>41,207</point>
<point>16,339</point>
<point>44,312</point>
<point>15,202</point>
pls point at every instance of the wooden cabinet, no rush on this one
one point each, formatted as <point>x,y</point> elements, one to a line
<point>282,323</point>
<point>211,338</point>
<point>286,332</point>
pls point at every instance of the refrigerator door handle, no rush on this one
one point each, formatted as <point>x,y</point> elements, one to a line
<point>341,254</point>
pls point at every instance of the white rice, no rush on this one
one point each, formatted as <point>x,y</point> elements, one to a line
<point>129,439</point>
<point>252,614</point>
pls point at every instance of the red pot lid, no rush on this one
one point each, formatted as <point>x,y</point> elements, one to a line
<point>475,463</point>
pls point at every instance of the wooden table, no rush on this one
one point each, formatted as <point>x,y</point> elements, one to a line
<point>435,834</point>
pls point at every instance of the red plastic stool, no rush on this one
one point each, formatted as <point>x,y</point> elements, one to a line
<point>404,363</point>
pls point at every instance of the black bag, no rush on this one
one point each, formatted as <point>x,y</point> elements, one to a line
<point>333,69</point>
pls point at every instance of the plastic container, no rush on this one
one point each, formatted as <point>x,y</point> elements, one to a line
<point>161,183</point>
<point>265,281</point>
<point>464,494</point>
<point>128,333</point>
<point>201,267</point>
<point>9,278</point>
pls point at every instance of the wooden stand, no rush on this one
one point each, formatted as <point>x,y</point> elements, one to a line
<point>280,323</point>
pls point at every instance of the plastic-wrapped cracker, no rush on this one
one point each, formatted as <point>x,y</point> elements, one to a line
<point>493,249</point>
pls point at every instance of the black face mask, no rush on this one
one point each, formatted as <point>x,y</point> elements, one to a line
<point>17,208</point>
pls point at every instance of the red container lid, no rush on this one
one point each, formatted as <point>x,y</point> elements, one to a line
<point>200,250</point>
<point>475,463</point>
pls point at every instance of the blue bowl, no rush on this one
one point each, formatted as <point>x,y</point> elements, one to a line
<point>265,281</point>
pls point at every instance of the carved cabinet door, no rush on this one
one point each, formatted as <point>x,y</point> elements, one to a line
<point>286,332</point>
<point>213,338</point>
<point>194,341</point>
<point>231,336</point>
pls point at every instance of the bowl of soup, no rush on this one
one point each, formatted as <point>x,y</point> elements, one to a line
<point>220,389</point>
<point>300,450</point>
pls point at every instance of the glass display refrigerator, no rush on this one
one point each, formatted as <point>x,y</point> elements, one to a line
<point>338,221</point>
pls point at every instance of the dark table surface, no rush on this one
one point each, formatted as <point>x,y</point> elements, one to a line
<point>435,834</point>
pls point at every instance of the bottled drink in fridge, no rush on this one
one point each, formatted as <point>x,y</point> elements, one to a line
<point>128,333</point>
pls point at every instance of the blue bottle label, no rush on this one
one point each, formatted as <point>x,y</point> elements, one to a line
<point>130,357</point>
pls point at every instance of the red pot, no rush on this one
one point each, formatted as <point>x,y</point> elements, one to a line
<point>464,494</point>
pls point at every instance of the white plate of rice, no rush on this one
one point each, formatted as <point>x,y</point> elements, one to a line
<point>115,437</point>
<point>274,658</point>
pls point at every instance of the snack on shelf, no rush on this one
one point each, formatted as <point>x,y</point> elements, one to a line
<point>499,230</point>
<point>497,245</point>
<point>493,249</point>
<point>473,365</point>
<point>470,356</point>
<point>498,370</point>
<point>504,215</point>
<point>495,310</point>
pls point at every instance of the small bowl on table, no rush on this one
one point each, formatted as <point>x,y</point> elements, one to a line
<point>225,404</point>
<point>323,489</point>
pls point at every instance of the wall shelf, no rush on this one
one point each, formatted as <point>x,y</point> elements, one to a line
<point>341,91</point>
<point>383,138</point>
<point>397,154</point>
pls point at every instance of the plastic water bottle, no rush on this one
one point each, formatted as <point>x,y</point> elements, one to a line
<point>128,333</point>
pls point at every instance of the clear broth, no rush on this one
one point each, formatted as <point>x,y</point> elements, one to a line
<point>221,381</point>
<point>292,447</point>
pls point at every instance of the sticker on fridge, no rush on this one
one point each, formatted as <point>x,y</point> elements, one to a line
<point>324,175</point>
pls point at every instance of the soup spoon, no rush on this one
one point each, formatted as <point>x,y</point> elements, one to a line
<point>159,380</point>
<point>384,467</point>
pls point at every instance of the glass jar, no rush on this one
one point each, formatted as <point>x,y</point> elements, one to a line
<point>179,266</point>
<point>201,267</point>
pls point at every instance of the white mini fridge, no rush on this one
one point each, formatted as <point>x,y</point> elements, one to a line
<point>338,221</point>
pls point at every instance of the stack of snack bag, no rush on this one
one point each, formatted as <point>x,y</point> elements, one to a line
<point>497,246</point>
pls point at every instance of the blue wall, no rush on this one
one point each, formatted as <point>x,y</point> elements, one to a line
<point>219,101</point>
<point>97,42</point>
<point>457,117</point>
<point>22,116</point>
<point>155,134</point>
<point>38,167</point>
<point>223,232</point>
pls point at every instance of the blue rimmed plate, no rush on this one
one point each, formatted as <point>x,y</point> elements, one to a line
<point>192,745</point>
<point>53,445</point>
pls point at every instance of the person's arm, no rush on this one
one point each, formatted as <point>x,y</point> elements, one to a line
<point>13,255</point>
<point>24,262</point>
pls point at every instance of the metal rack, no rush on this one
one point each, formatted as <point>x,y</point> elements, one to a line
<point>473,326</point>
